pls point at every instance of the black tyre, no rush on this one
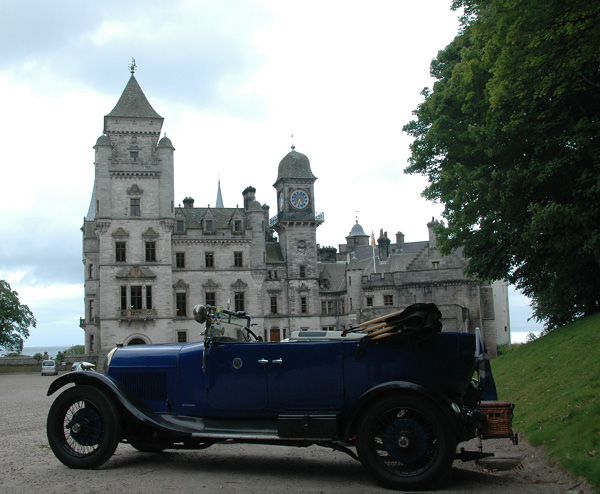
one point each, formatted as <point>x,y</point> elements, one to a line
<point>406,443</point>
<point>83,427</point>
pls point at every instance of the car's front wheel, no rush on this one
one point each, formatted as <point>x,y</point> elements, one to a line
<point>83,427</point>
<point>406,443</point>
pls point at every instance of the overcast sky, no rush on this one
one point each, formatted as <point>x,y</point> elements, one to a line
<point>233,80</point>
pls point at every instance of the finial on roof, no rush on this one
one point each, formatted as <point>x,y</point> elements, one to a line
<point>292,136</point>
<point>132,66</point>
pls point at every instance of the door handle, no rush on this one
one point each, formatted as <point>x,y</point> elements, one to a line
<point>263,361</point>
<point>277,361</point>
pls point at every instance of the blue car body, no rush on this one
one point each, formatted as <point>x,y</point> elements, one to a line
<point>338,393</point>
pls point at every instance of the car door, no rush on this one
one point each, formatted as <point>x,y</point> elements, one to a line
<point>237,376</point>
<point>306,376</point>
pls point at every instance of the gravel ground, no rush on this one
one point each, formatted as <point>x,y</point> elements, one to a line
<point>28,465</point>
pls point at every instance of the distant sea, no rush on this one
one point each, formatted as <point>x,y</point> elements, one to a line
<point>32,350</point>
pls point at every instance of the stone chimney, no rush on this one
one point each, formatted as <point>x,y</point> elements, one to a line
<point>400,241</point>
<point>431,227</point>
<point>383,246</point>
<point>327,254</point>
<point>188,202</point>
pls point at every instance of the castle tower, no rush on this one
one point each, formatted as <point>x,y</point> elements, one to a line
<point>127,232</point>
<point>296,226</point>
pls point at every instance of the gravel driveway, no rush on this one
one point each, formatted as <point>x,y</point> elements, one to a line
<point>28,465</point>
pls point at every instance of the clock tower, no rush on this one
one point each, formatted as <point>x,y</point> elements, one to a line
<point>296,226</point>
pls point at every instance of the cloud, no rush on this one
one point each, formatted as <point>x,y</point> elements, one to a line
<point>196,53</point>
<point>233,81</point>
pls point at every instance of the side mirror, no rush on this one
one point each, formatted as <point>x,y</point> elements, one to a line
<point>200,313</point>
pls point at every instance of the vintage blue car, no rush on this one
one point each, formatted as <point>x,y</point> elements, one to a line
<point>396,390</point>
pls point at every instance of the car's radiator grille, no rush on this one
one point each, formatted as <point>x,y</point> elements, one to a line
<point>145,385</point>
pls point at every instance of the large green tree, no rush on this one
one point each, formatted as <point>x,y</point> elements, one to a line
<point>15,319</point>
<point>509,138</point>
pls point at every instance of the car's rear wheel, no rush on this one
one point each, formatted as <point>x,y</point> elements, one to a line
<point>406,443</point>
<point>83,427</point>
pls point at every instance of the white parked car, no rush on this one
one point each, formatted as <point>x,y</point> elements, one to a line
<point>49,368</point>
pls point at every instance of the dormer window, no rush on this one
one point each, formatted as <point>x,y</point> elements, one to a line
<point>208,225</point>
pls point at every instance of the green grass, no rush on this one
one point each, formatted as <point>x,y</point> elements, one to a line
<point>554,383</point>
<point>13,369</point>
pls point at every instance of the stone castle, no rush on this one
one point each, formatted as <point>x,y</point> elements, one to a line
<point>147,262</point>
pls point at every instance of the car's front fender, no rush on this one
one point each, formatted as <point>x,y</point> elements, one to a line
<point>121,395</point>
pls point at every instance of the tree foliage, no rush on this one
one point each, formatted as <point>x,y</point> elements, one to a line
<point>74,350</point>
<point>509,139</point>
<point>15,319</point>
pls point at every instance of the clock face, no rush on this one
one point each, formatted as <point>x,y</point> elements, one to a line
<point>299,199</point>
<point>281,201</point>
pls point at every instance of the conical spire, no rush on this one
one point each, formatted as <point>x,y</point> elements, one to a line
<point>133,103</point>
<point>219,197</point>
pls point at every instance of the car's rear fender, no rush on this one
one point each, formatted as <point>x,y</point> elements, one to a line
<point>398,387</point>
<point>138,410</point>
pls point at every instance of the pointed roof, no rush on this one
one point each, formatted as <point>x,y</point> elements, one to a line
<point>219,203</point>
<point>133,103</point>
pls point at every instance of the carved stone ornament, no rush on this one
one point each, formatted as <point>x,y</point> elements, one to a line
<point>239,285</point>
<point>120,233</point>
<point>150,233</point>
<point>181,286</point>
<point>210,285</point>
<point>101,227</point>
<point>135,272</point>
<point>167,225</point>
<point>134,190</point>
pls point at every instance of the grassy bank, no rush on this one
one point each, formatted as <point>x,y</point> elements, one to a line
<point>554,382</point>
<point>13,369</point>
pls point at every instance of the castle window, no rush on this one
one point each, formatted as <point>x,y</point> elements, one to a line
<point>91,271</point>
<point>180,259</point>
<point>181,336</point>
<point>302,271</point>
<point>134,207</point>
<point>274,305</point>
<point>209,259</point>
<point>120,251</point>
<point>180,225</point>
<point>181,304</point>
<point>148,297</point>
<point>208,225</point>
<point>134,155</point>
<point>150,251</point>
<point>136,297</point>
<point>239,301</point>
<point>303,304</point>
<point>369,301</point>
<point>123,298</point>
<point>237,259</point>
<point>327,307</point>
<point>435,264</point>
<point>211,298</point>
<point>237,226</point>
<point>388,300</point>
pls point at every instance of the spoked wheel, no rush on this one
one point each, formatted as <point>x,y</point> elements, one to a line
<point>406,443</point>
<point>83,427</point>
